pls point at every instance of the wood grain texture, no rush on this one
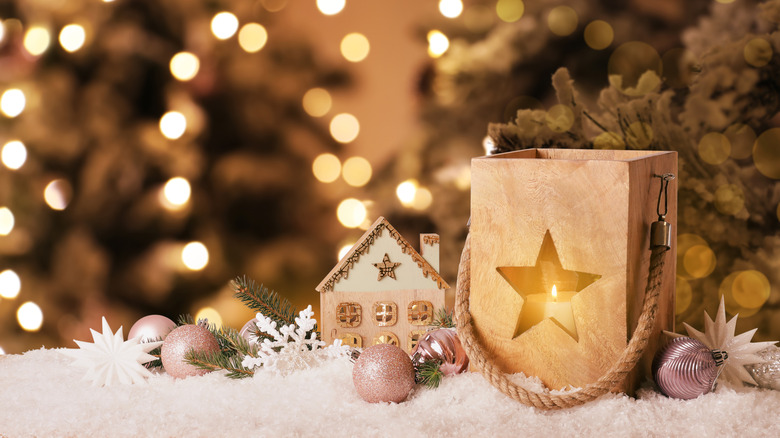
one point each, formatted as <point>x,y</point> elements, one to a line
<point>594,204</point>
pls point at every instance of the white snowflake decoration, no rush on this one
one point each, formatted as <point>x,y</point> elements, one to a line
<point>290,349</point>
<point>110,358</point>
<point>719,335</point>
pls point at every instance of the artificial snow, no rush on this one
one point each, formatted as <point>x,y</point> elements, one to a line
<point>41,394</point>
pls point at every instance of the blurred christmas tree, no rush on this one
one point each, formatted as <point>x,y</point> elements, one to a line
<point>154,149</point>
<point>697,77</point>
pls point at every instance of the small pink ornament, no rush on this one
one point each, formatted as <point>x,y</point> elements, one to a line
<point>442,345</point>
<point>151,328</point>
<point>383,373</point>
<point>248,329</point>
<point>180,341</point>
<point>686,368</point>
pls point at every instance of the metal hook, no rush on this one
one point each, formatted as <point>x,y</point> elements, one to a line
<point>660,230</point>
<point>665,178</point>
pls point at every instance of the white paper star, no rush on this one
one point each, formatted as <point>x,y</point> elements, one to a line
<point>110,358</point>
<point>719,335</point>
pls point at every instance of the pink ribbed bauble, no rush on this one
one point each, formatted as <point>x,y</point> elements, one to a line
<point>443,345</point>
<point>179,342</point>
<point>685,368</point>
<point>151,328</point>
<point>383,373</point>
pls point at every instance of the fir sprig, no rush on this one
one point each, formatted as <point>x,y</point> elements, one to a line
<point>217,360</point>
<point>157,363</point>
<point>260,299</point>
<point>429,374</point>
<point>444,319</point>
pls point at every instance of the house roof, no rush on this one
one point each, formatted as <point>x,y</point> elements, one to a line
<point>342,268</point>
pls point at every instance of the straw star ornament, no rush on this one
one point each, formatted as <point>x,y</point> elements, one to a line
<point>111,359</point>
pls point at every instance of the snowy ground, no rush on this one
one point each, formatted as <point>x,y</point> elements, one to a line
<point>42,395</point>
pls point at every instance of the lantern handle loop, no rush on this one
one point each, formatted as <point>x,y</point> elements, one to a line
<point>663,192</point>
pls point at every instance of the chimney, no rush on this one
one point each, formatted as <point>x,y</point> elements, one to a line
<point>429,249</point>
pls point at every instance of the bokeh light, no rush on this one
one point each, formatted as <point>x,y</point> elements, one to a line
<point>562,20</point>
<point>344,128</point>
<point>30,317</point>
<point>326,168</point>
<point>195,256</point>
<point>629,62</point>
<point>2,30</point>
<point>351,213</point>
<point>173,124</point>
<point>274,5</point>
<point>559,118</point>
<point>211,314</point>
<point>345,249</point>
<point>438,43</point>
<point>639,135</point>
<point>12,102</point>
<point>598,35</point>
<point>510,10</point>
<point>184,66</point>
<point>742,138</point>
<point>450,8</point>
<point>252,37</point>
<point>714,148</point>
<point>331,7</point>
<point>609,140</point>
<point>423,198</point>
<point>758,52</point>
<point>14,154</point>
<point>699,261</point>
<point>10,284</point>
<point>355,47</point>
<point>72,37</point>
<point>317,102</point>
<point>7,221</point>
<point>37,40</point>
<point>224,25</point>
<point>177,192</point>
<point>356,171</point>
<point>406,192</point>
<point>729,199</point>
<point>58,194</point>
<point>766,153</point>
<point>683,295</point>
<point>750,289</point>
<point>2,352</point>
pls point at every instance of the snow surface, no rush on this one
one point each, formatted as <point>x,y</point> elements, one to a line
<point>42,395</point>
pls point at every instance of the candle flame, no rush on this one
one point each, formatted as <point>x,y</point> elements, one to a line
<point>555,293</point>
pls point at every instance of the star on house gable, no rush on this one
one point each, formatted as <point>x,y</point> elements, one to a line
<point>386,268</point>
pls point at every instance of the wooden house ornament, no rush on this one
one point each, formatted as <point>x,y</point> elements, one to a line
<point>382,291</point>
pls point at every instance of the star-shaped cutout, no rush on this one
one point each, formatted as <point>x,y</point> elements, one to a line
<point>110,358</point>
<point>540,279</point>
<point>386,268</point>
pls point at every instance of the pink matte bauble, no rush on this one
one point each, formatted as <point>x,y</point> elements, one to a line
<point>442,345</point>
<point>151,328</point>
<point>383,373</point>
<point>180,341</point>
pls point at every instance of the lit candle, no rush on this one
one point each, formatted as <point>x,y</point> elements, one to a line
<point>556,306</point>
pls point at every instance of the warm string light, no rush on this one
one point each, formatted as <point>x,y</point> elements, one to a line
<point>355,47</point>
<point>10,284</point>
<point>72,37</point>
<point>184,66</point>
<point>195,256</point>
<point>252,37</point>
<point>451,8</point>
<point>356,171</point>
<point>345,249</point>
<point>14,154</point>
<point>317,102</point>
<point>510,10</point>
<point>12,102</point>
<point>211,314</point>
<point>176,193</point>
<point>173,124</point>
<point>57,194</point>
<point>344,128</point>
<point>6,221</point>
<point>351,213</point>
<point>438,43</point>
<point>224,25</point>
<point>331,7</point>
<point>30,317</point>
<point>326,168</point>
<point>36,40</point>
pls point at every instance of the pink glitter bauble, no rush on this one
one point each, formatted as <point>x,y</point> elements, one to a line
<point>443,345</point>
<point>383,373</point>
<point>685,368</point>
<point>179,342</point>
<point>151,328</point>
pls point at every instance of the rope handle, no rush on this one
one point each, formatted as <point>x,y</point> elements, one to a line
<point>616,374</point>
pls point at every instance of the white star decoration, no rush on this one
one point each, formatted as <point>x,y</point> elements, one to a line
<point>110,358</point>
<point>719,335</point>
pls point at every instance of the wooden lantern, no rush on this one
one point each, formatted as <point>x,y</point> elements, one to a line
<point>578,220</point>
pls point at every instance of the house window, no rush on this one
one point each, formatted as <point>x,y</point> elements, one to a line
<point>385,313</point>
<point>414,338</point>
<point>386,338</point>
<point>348,314</point>
<point>352,340</point>
<point>420,313</point>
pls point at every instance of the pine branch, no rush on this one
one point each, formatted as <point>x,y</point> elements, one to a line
<point>157,363</point>
<point>260,299</point>
<point>212,361</point>
<point>444,319</point>
<point>429,374</point>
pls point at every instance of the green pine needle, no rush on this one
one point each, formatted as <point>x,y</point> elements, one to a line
<point>429,374</point>
<point>260,299</point>
<point>218,360</point>
<point>444,319</point>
